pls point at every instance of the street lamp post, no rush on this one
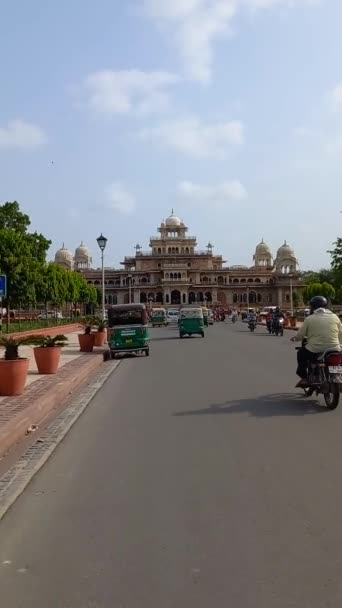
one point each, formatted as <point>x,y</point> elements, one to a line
<point>102,242</point>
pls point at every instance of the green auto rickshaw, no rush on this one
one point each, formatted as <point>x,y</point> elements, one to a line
<point>191,322</point>
<point>159,317</point>
<point>127,330</point>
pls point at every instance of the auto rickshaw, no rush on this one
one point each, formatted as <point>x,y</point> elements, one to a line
<point>127,330</point>
<point>191,322</point>
<point>205,316</point>
<point>159,317</point>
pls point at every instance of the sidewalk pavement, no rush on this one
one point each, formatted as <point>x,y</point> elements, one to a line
<point>43,394</point>
<point>69,353</point>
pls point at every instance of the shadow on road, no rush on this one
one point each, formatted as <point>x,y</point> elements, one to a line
<point>162,338</point>
<point>285,404</point>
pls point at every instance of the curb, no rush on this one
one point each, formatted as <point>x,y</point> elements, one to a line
<point>14,482</point>
<point>41,397</point>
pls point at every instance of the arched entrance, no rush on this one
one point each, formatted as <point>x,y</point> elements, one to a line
<point>221,297</point>
<point>200,297</point>
<point>208,296</point>
<point>175,297</point>
<point>143,298</point>
<point>159,297</point>
<point>252,297</point>
<point>192,297</point>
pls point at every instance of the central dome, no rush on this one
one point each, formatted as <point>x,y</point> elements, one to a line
<point>173,221</point>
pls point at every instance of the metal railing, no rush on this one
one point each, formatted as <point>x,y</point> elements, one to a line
<point>173,238</point>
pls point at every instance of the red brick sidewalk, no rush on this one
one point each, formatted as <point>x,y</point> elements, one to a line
<point>40,398</point>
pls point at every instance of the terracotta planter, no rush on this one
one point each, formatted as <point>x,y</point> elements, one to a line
<point>13,376</point>
<point>47,359</point>
<point>86,342</point>
<point>100,338</point>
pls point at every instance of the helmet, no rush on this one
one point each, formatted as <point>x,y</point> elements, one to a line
<point>318,302</point>
<point>277,309</point>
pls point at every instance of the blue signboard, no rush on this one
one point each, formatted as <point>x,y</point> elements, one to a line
<point>3,286</point>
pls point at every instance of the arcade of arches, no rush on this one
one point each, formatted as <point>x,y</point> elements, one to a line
<point>174,271</point>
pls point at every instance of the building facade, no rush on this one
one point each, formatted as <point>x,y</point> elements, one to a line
<point>174,271</point>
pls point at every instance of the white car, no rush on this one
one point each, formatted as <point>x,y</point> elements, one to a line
<point>172,316</point>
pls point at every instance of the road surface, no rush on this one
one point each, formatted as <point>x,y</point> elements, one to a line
<point>197,478</point>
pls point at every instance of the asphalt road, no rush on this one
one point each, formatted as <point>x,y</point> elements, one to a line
<point>197,478</point>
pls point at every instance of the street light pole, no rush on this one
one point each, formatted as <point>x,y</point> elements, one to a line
<point>102,242</point>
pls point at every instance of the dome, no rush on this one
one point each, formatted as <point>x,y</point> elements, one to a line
<point>285,251</point>
<point>262,248</point>
<point>173,221</point>
<point>63,255</point>
<point>82,251</point>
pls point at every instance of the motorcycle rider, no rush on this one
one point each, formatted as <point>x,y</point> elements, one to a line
<point>321,331</point>
<point>277,315</point>
<point>251,317</point>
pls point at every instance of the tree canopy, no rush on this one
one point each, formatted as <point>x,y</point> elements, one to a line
<point>30,278</point>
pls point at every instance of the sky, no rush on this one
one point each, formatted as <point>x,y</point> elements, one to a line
<point>229,111</point>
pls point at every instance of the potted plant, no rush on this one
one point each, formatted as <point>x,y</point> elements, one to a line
<point>86,339</point>
<point>47,352</point>
<point>13,368</point>
<point>100,334</point>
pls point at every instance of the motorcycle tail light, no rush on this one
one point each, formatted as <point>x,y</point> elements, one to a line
<point>335,359</point>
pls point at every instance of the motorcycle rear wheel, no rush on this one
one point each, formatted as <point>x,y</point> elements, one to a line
<point>332,398</point>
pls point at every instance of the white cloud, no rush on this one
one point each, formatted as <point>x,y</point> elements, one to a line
<point>20,134</point>
<point>218,195</point>
<point>119,199</point>
<point>126,91</point>
<point>196,25</point>
<point>194,138</point>
<point>335,97</point>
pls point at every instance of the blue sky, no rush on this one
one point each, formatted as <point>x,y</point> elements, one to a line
<point>230,111</point>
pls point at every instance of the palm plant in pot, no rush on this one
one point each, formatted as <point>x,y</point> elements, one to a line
<point>47,352</point>
<point>86,339</point>
<point>13,368</point>
<point>100,334</point>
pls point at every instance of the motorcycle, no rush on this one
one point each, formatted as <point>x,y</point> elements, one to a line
<point>325,377</point>
<point>252,324</point>
<point>278,326</point>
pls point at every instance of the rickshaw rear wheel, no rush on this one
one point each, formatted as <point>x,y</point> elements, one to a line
<point>202,334</point>
<point>147,353</point>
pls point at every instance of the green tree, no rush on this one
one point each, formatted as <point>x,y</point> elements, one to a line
<point>318,289</point>
<point>11,218</point>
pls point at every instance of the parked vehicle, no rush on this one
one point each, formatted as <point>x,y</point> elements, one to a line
<point>127,330</point>
<point>211,317</point>
<point>191,322</point>
<point>159,317</point>
<point>325,377</point>
<point>50,314</point>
